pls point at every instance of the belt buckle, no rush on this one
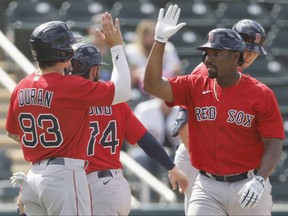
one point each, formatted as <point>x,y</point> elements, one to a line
<point>224,177</point>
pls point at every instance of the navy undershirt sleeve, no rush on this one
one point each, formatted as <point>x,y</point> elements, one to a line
<point>154,150</point>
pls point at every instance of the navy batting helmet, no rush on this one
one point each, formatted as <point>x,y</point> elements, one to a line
<point>85,56</point>
<point>253,35</point>
<point>224,39</point>
<point>52,41</point>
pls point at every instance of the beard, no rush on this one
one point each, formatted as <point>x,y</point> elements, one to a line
<point>212,75</point>
<point>212,72</point>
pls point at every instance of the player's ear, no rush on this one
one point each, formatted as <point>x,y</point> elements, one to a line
<point>92,73</point>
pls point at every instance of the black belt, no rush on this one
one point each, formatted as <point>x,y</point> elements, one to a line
<point>104,173</point>
<point>57,161</point>
<point>231,178</point>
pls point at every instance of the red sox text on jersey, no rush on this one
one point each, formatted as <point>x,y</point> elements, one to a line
<point>234,116</point>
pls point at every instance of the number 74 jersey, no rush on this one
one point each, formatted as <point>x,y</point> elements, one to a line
<point>109,127</point>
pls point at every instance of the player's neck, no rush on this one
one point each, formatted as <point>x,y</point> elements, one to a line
<point>48,70</point>
<point>232,80</point>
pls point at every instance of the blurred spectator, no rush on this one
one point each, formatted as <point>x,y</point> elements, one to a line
<point>158,118</point>
<point>91,37</point>
<point>5,165</point>
<point>137,53</point>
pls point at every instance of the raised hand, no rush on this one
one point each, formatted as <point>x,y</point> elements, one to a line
<point>110,34</point>
<point>167,25</point>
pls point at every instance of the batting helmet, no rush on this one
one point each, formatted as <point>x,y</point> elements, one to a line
<point>85,56</point>
<point>52,41</point>
<point>253,35</point>
<point>224,39</point>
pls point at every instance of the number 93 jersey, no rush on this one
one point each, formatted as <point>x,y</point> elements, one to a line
<point>50,114</point>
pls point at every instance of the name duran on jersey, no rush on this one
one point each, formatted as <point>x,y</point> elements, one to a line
<point>100,110</point>
<point>234,116</point>
<point>33,96</point>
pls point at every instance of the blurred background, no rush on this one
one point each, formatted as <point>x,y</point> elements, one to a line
<point>18,19</point>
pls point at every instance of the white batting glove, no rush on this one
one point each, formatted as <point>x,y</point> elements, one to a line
<point>18,178</point>
<point>252,192</point>
<point>167,26</point>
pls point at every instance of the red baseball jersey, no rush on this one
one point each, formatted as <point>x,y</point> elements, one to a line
<point>200,69</point>
<point>109,126</point>
<point>226,124</point>
<point>50,113</point>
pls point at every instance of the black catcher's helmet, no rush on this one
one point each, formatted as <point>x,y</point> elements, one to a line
<point>224,39</point>
<point>253,35</point>
<point>85,57</point>
<point>52,41</point>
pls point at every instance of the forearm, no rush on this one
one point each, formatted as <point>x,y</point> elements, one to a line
<point>121,76</point>
<point>154,67</point>
<point>271,156</point>
<point>154,150</point>
<point>154,83</point>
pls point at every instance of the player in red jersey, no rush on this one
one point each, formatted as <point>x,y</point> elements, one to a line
<point>109,127</point>
<point>235,125</point>
<point>49,116</point>
<point>254,36</point>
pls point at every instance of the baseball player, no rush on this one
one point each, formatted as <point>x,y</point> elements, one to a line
<point>254,36</point>
<point>109,126</point>
<point>235,125</point>
<point>49,116</point>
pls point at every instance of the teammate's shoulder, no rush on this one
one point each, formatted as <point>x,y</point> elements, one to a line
<point>252,80</point>
<point>200,69</point>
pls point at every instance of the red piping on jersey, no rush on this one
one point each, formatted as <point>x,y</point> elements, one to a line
<point>75,189</point>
